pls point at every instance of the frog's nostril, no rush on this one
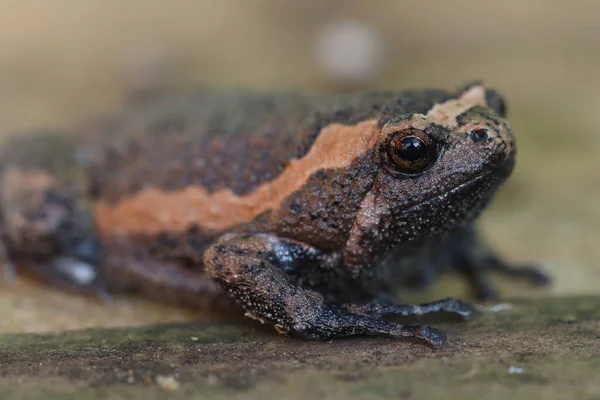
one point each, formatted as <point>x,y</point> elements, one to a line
<point>479,135</point>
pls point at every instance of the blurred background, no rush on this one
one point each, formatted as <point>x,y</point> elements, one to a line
<point>67,60</point>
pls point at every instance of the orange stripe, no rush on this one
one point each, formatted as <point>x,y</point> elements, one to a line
<point>153,210</point>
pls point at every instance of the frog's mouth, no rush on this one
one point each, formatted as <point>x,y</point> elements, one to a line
<point>461,190</point>
<point>449,210</point>
<point>477,191</point>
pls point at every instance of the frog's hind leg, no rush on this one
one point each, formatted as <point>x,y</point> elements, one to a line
<point>161,268</point>
<point>46,214</point>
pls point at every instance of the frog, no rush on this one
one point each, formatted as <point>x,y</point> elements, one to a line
<point>303,210</point>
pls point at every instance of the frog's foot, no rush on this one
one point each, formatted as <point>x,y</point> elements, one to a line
<point>472,257</point>
<point>378,310</point>
<point>251,268</point>
<point>532,273</point>
<point>485,289</point>
<point>331,322</point>
<point>463,251</point>
<point>47,222</point>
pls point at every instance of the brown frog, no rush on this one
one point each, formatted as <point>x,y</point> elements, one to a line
<point>303,208</point>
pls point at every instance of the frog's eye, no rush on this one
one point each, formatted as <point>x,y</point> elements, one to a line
<point>411,151</point>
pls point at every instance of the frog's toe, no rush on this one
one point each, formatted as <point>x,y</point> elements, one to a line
<point>458,307</point>
<point>486,290</point>
<point>429,335</point>
<point>533,273</point>
<point>537,276</point>
<point>479,273</point>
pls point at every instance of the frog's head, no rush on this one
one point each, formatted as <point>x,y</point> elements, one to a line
<point>438,169</point>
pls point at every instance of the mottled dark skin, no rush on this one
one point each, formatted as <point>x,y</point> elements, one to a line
<point>317,259</point>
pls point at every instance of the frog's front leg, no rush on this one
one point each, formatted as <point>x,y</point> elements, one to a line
<point>252,269</point>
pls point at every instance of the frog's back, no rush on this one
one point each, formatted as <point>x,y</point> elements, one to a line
<point>211,140</point>
<point>220,140</point>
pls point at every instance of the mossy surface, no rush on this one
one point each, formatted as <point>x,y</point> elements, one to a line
<point>546,348</point>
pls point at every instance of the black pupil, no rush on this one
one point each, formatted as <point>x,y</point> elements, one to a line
<point>411,149</point>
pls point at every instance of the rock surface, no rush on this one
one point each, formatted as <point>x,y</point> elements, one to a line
<point>544,348</point>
